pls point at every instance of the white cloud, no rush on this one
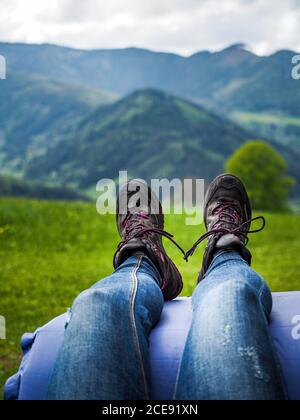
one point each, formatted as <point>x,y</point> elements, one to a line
<point>182,26</point>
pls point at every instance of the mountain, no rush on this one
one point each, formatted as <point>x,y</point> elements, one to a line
<point>268,101</point>
<point>269,87</point>
<point>36,112</point>
<point>257,92</point>
<point>122,71</point>
<point>11,187</point>
<point>150,134</point>
<point>234,77</point>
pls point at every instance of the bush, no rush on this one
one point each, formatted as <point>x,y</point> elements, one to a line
<point>263,170</point>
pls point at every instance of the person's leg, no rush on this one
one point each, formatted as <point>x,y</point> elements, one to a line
<point>105,352</point>
<point>229,354</point>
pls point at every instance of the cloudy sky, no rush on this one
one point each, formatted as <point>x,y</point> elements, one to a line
<point>181,26</point>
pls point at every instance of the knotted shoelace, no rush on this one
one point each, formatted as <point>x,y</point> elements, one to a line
<point>134,229</point>
<point>232,218</point>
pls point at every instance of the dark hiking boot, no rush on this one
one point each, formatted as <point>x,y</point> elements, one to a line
<point>140,223</point>
<point>228,218</point>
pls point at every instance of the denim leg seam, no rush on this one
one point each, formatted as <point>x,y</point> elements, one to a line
<point>274,347</point>
<point>266,311</point>
<point>133,325</point>
<point>178,375</point>
<point>177,378</point>
<point>260,297</point>
<point>261,291</point>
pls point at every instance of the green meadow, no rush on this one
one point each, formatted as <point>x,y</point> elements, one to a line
<point>51,251</point>
<point>263,118</point>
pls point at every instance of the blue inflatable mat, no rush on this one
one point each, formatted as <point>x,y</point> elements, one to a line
<point>166,346</point>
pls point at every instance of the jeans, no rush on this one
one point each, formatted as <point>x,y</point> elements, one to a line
<point>229,353</point>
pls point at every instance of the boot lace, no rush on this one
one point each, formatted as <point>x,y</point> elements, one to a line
<point>228,213</point>
<point>135,228</point>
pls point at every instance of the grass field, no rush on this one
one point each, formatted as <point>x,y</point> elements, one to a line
<point>50,252</point>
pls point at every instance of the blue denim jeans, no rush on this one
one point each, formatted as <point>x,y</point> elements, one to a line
<point>229,352</point>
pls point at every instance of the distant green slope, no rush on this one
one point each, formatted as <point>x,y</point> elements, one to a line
<point>149,134</point>
<point>11,187</point>
<point>282,128</point>
<point>268,88</point>
<point>35,113</point>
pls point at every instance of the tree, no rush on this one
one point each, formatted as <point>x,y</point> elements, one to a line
<point>263,170</point>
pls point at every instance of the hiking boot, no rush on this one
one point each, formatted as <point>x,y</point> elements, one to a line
<point>140,223</point>
<point>228,218</point>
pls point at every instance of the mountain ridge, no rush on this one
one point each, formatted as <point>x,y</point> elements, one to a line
<point>192,142</point>
<point>52,94</point>
<point>201,77</point>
